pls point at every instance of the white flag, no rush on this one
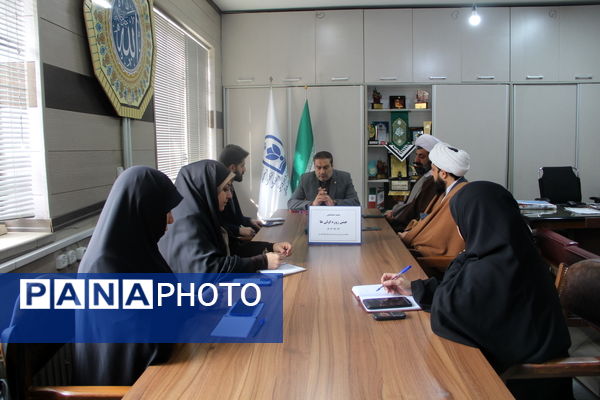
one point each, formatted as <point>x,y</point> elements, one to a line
<point>274,182</point>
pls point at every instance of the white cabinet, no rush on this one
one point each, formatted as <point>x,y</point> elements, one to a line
<point>257,46</point>
<point>588,161</point>
<point>486,47</point>
<point>339,49</point>
<point>579,43</point>
<point>478,124</point>
<point>244,50</point>
<point>337,115</point>
<point>544,133</point>
<point>534,44</point>
<point>436,45</point>
<point>388,45</point>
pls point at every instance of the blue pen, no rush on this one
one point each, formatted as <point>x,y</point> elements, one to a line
<point>397,275</point>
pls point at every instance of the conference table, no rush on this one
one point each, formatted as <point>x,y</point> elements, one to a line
<point>332,348</point>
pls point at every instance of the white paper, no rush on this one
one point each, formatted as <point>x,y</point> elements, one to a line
<point>583,211</point>
<point>335,225</point>
<point>285,269</point>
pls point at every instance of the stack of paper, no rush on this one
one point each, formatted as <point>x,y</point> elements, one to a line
<point>535,205</point>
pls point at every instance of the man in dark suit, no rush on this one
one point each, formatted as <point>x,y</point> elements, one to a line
<point>324,187</point>
<point>234,158</point>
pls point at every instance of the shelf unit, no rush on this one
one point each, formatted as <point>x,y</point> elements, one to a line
<point>384,192</point>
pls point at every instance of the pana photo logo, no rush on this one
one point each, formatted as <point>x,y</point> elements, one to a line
<point>46,294</point>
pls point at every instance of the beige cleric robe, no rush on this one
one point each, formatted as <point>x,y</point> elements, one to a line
<point>436,234</point>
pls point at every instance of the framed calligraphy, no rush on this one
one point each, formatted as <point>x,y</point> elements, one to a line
<point>121,39</point>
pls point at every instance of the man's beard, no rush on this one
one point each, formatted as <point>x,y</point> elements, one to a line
<point>440,186</point>
<point>421,169</point>
<point>238,177</point>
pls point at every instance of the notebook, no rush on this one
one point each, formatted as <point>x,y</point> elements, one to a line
<point>364,292</point>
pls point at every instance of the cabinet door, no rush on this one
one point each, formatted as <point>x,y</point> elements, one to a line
<point>245,124</point>
<point>580,43</point>
<point>436,45</point>
<point>292,47</point>
<point>339,50</point>
<point>534,51</point>
<point>245,54</point>
<point>337,116</point>
<point>388,46</point>
<point>478,124</point>
<point>486,47</point>
<point>544,133</point>
<point>589,140</point>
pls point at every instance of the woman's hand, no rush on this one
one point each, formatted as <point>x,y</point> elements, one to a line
<point>273,260</point>
<point>397,286</point>
<point>283,248</point>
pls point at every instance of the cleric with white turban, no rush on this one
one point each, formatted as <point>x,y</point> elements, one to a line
<point>450,159</point>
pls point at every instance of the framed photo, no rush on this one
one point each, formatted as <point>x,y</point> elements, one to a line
<point>397,102</point>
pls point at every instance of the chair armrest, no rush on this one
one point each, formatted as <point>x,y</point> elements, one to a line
<point>596,199</point>
<point>560,367</point>
<point>78,392</point>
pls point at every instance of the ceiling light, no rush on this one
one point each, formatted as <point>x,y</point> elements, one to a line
<point>474,19</point>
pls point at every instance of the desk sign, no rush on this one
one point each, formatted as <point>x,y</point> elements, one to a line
<point>334,225</point>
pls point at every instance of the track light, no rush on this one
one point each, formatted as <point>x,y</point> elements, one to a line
<point>474,19</point>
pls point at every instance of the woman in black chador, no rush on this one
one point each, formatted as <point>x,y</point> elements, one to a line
<point>135,216</point>
<point>197,242</point>
<point>498,294</point>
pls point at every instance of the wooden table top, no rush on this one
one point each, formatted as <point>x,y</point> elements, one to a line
<point>332,348</point>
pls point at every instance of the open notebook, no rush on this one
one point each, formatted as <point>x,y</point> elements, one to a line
<point>366,292</point>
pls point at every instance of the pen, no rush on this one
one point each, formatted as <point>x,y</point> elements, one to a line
<point>397,275</point>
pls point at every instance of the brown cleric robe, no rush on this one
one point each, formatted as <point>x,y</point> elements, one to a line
<point>436,234</point>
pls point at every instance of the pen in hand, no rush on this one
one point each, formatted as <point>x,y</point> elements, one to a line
<point>397,275</point>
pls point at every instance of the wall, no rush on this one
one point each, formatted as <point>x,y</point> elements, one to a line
<point>81,130</point>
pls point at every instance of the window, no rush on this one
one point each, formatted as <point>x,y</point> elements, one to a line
<point>22,192</point>
<point>182,98</point>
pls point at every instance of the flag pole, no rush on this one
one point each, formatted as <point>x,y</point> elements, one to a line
<point>305,92</point>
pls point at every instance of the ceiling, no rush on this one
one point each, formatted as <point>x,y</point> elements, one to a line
<point>263,5</point>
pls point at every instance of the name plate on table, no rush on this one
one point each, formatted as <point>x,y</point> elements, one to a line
<point>334,225</point>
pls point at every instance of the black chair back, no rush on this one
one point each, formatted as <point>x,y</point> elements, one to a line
<point>559,184</point>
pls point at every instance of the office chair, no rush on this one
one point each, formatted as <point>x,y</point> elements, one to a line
<point>22,361</point>
<point>579,292</point>
<point>559,185</point>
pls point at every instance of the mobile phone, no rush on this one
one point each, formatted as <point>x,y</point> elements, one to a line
<point>390,302</point>
<point>388,315</point>
<point>240,309</point>
<point>272,223</point>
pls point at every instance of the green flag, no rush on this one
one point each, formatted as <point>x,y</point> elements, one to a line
<point>304,148</point>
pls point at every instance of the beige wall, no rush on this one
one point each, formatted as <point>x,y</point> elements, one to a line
<point>83,150</point>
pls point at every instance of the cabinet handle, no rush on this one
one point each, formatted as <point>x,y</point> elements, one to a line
<point>341,78</point>
<point>488,77</point>
<point>245,80</point>
<point>388,78</point>
<point>292,79</point>
<point>583,76</point>
<point>535,76</point>
<point>437,78</point>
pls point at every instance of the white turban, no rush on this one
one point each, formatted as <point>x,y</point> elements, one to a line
<point>450,159</point>
<point>427,142</point>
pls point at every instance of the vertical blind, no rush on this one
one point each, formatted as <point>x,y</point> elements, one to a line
<point>16,172</point>
<point>181,98</point>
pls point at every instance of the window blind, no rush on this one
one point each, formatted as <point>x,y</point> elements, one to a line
<point>181,98</point>
<point>16,172</point>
